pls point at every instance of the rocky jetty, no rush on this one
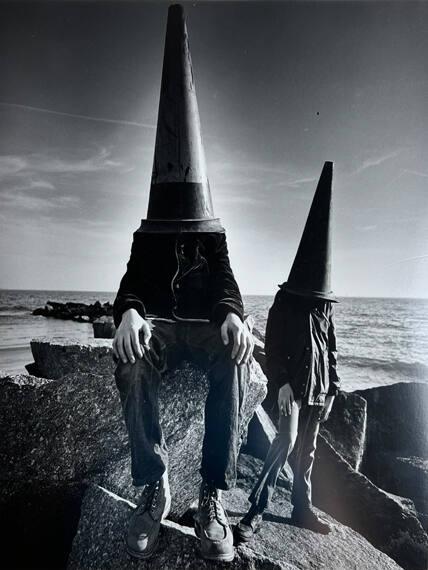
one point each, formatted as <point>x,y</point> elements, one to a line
<point>80,312</point>
<point>371,465</point>
<point>280,546</point>
<point>70,431</point>
<point>64,458</point>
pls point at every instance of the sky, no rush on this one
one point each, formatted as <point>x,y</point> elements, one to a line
<point>281,87</point>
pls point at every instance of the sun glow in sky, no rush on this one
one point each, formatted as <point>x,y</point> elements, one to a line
<point>281,87</point>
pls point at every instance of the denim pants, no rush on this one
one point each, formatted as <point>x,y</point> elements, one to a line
<point>302,424</point>
<point>138,384</point>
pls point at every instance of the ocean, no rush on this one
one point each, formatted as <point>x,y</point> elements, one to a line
<point>380,341</point>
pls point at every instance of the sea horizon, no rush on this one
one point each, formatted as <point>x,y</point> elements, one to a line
<point>380,340</point>
<point>106,292</point>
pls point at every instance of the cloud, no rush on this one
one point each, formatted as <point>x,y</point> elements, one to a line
<point>415,173</point>
<point>24,201</point>
<point>32,164</point>
<point>78,116</point>
<point>376,161</point>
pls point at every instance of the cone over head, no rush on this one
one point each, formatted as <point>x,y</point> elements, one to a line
<point>180,197</point>
<point>310,275</point>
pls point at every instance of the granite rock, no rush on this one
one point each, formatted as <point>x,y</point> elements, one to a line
<point>345,429</point>
<point>407,476</point>
<point>56,357</point>
<point>61,430</point>
<point>182,419</point>
<point>397,422</point>
<point>279,545</point>
<point>354,500</point>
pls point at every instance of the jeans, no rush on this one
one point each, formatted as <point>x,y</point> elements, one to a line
<point>138,384</point>
<point>302,424</point>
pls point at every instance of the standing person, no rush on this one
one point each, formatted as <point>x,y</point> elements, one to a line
<point>301,361</point>
<point>179,299</point>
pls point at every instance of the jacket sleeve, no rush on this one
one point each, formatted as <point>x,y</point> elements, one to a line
<point>335,381</point>
<point>276,358</point>
<point>129,294</point>
<point>225,294</point>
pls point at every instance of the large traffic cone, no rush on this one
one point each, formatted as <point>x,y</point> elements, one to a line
<point>310,275</point>
<point>180,197</point>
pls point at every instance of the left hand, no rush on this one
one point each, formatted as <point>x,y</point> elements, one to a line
<point>243,342</point>
<point>325,412</point>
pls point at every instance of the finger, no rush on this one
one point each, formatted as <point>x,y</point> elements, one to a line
<point>242,349</point>
<point>289,406</point>
<point>236,344</point>
<point>224,335</point>
<point>115,352</point>
<point>249,350</point>
<point>147,335</point>
<point>121,351</point>
<point>135,342</point>
<point>128,348</point>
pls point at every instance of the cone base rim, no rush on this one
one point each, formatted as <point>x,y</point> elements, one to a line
<point>203,225</point>
<point>325,295</point>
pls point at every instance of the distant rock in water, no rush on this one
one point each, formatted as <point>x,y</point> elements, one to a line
<point>80,312</point>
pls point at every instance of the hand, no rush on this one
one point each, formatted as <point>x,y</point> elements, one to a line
<point>325,412</point>
<point>126,343</point>
<point>285,399</point>
<point>243,342</point>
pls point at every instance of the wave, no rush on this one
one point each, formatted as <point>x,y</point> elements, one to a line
<point>409,369</point>
<point>4,308</point>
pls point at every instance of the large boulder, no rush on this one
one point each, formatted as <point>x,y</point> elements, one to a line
<point>56,357</point>
<point>406,476</point>
<point>345,429</point>
<point>355,501</point>
<point>397,422</point>
<point>279,546</point>
<point>61,430</point>
<point>72,429</point>
<point>182,398</point>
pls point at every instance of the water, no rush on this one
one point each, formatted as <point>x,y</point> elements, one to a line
<point>380,341</point>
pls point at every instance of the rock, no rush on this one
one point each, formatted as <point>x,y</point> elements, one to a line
<point>39,523</point>
<point>56,357</point>
<point>60,430</point>
<point>32,369</point>
<point>104,327</point>
<point>182,421</point>
<point>345,429</point>
<point>78,431</point>
<point>75,311</point>
<point>22,379</point>
<point>355,501</point>
<point>279,546</point>
<point>406,476</point>
<point>396,422</point>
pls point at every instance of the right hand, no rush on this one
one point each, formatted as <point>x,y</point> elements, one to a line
<point>285,399</point>
<point>126,343</point>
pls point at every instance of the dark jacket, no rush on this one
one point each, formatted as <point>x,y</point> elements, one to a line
<point>179,277</point>
<point>301,347</point>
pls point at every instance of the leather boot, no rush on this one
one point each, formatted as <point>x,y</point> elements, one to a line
<point>212,526</point>
<point>248,526</point>
<point>144,525</point>
<point>306,518</point>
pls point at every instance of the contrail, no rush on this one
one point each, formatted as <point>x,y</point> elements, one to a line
<point>407,259</point>
<point>75,116</point>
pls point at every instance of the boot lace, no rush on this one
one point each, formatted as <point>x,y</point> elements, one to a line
<point>149,498</point>
<point>212,506</point>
